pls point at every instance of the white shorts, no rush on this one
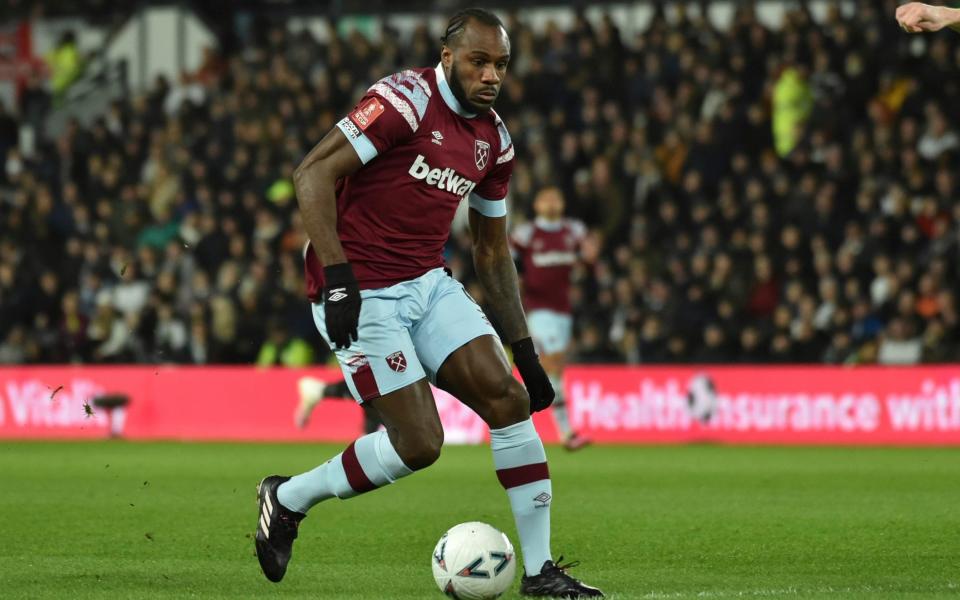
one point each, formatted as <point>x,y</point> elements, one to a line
<point>550,330</point>
<point>405,333</point>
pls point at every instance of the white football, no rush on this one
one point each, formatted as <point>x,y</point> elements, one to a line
<point>474,561</point>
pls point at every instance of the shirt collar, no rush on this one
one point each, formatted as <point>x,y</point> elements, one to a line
<point>448,96</point>
<point>549,225</point>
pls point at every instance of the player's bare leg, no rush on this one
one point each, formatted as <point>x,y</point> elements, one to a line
<point>412,441</point>
<point>553,364</point>
<point>480,376</point>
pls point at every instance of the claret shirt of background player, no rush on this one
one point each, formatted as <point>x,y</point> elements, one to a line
<point>422,153</point>
<point>547,251</point>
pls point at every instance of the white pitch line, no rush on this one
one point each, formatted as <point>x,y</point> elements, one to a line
<point>793,591</point>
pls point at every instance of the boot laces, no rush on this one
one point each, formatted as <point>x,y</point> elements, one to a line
<point>564,568</point>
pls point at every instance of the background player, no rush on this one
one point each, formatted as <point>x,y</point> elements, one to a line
<point>378,195</point>
<point>917,17</point>
<point>547,250</point>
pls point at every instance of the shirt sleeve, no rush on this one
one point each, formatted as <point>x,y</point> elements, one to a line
<point>520,236</point>
<point>578,230</point>
<point>489,198</point>
<point>388,115</point>
<point>519,240</point>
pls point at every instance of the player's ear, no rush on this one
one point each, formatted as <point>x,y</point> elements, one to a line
<point>446,56</point>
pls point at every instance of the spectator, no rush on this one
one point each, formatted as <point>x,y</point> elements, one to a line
<point>109,334</point>
<point>713,348</point>
<point>594,347</point>
<point>170,336</point>
<point>792,103</point>
<point>281,349</point>
<point>938,138</point>
<point>13,350</point>
<point>898,346</point>
<point>65,64</point>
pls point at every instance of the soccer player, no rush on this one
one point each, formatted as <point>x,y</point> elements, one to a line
<point>378,195</point>
<point>547,249</point>
<point>917,17</point>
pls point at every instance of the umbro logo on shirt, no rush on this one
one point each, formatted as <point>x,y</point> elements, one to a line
<point>437,138</point>
<point>336,297</point>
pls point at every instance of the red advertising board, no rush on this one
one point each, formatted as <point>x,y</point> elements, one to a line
<point>191,403</point>
<point>755,405</point>
<point>768,405</point>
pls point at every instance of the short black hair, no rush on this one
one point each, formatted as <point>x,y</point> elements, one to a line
<point>458,23</point>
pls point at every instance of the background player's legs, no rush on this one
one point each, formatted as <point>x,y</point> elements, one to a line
<point>551,332</point>
<point>554,364</point>
<point>412,441</point>
<point>480,376</point>
<point>313,389</point>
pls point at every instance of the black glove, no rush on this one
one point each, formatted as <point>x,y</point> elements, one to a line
<point>534,377</point>
<point>341,299</point>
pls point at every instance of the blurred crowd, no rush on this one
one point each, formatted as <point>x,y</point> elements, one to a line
<point>753,195</point>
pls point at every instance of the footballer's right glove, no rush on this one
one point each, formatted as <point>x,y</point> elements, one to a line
<point>341,300</point>
<point>534,377</point>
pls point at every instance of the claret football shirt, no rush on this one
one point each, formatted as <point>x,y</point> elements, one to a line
<point>422,153</point>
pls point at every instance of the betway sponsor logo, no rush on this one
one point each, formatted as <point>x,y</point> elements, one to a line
<point>662,406</point>
<point>444,179</point>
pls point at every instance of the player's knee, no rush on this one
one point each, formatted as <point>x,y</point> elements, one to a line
<point>508,407</point>
<point>421,450</point>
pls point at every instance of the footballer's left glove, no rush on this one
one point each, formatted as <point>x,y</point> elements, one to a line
<point>534,377</point>
<point>341,299</point>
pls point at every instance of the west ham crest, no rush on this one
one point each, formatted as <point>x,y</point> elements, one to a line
<point>397,361</point>
<point>481,154</point>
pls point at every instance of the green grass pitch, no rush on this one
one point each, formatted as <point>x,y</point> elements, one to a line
<point>172,520</point>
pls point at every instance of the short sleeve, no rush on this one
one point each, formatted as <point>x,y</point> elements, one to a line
<point>521,235</point>
<point>577,229</point>
<point>387,116</point>
<point>489,198</point>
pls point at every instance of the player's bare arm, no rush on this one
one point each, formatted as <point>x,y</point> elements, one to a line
<point>315,181</point>
<point>917,17</point>
<point>498,273</point>
<point>498,276</point>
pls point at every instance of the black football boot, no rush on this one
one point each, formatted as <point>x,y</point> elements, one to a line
<point>276,529</point>
<point>554,582</point>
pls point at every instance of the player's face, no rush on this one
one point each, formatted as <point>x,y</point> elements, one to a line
<point>549,205</point>
<point>478,66</point>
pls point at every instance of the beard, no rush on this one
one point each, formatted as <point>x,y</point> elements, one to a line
<point>461,94</point>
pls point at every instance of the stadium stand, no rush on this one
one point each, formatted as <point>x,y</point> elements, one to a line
<point>754,195</point>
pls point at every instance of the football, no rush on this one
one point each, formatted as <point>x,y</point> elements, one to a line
<point>474,561</point>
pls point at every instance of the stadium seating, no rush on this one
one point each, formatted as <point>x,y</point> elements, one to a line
<point>757,195</point>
